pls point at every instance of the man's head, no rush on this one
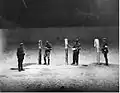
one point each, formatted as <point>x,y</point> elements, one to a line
<point>47,42</point>
<point>39,41</point>
<point>97,38</point>
<point>77,40</point>
<point>104,39</point>
<point>21,44</point>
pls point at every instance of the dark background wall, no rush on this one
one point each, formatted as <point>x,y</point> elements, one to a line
<point>57,35</point>
<point>74,16</point>
<point>42,13</point>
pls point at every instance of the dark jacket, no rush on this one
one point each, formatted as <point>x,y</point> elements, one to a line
<point>20,53</point>
<point>77,47</point>
<point>48,47</point>
<point>105,48</point>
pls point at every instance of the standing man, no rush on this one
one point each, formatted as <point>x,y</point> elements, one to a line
<point>40,51</point>
<point>20,56</point>
<point>66,50</point>
<point>97,47</point>
<point>48,48</point>
<point>76,48</point>
<point>105,49</point>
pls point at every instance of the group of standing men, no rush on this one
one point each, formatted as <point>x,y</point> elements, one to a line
<point>48,48</point>
<point>21,54</point>
<point>76,49</point>
<point>103,48</point>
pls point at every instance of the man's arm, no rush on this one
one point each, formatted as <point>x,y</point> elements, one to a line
<point>50,47</point>
<point>79,46</point>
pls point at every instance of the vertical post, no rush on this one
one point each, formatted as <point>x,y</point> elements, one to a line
<point>40,51</point>
<point>1,43</point>
<point>97,47</point>
<point>66,51</point>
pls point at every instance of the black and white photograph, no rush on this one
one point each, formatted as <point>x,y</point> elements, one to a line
<point>59,45</point>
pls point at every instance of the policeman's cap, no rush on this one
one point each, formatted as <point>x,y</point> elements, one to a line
<point>77,40</point>
<point>21,44</point>
<point>104,38</point>
<point>47,41</point>
<point>106,46</point>
<point>39,41</point>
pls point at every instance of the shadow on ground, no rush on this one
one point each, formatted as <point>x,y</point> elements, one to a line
<point>24,65</point>
<point>13,68</point>
<point>29,64</point>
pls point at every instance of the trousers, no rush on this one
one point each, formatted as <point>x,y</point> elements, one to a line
<point>75,57</point>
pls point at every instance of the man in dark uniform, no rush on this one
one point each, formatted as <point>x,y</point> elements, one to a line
<point>48,48</point>
<point>76,48</point>
<point>105,49</point>
<point>20,56</point>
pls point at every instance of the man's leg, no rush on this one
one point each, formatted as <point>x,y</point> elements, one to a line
<point>106,59</point>
<point>19,65</point>
<point>48,61</point>
<point>48,56</point>
<point>73,58</point>
<point>45,59</point>
<point>77,58</point>
<point>22,64</point>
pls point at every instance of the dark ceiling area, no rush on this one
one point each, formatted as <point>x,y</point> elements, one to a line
<point>59,13</point>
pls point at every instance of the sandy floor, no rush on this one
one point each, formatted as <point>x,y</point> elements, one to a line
<point>88,76</point>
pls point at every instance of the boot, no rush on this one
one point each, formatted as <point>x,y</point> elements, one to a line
<point>48,61</point>
<point>45,61</point>
<point>106,63</point>
<point>18,68</point>
<point>76,63</point>
<point>73,63</point>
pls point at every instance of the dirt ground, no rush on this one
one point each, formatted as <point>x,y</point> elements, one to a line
<point>87,76</point>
